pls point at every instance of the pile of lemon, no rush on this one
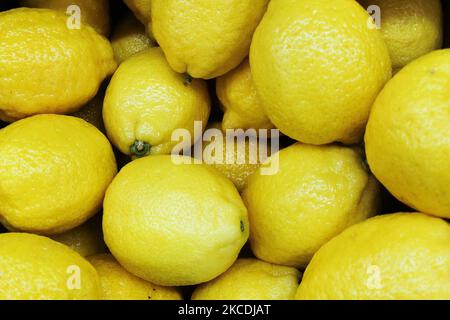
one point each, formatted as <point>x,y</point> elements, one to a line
<point>94,205</point>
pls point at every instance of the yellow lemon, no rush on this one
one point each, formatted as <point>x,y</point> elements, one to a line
<point>205,38</point>
<point>86,239</point>
<point>54,173</point>
<point>173,223</point>
<point>397,256</point>
<point>129,38</point>
<point>317,192</point>
<point>408,135</point>
<point>92,12</point>
<point>411,28</point>
<point>37,268</point>
<point>251,279</point>
<point>318,66</point>
<point>146,101</point>
<point>237,94</point>
<point>141,9</point>
<point>47,67</point>
<point>92,112</point>
<point>119,284</point>
<point>237,156</point>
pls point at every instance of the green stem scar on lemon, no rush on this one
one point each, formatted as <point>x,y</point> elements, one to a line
<point>187,79</point>
<point>140,148</point>
<point>242,226</point>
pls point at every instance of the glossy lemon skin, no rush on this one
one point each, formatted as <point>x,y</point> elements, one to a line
<point>58,77</point>
<point>411,28</point>
<point>146,101</point>
<point>317,192</point>
<point>251,279</point>
<point>204,38</point>
<point>399,256</point>
<point>129,38</point>
<point>408,135</point>
<point>54,174</point>
<point>318,67</point>
<point>38,268</point>
<point>92,12</point>
<point>174,224</point>
<point>118,284</point>
<point>237,94</point>
<point>241,156</point>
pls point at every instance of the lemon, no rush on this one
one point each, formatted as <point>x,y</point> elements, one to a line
<point>237,94</point>
<point>172,223</point>
<point>92,112</point>
<point>55,171</point>
<point>251,279</point>
<point>317,193</point>
<point>129,38</point>
<point>92,12</point>
<point>408,135</point>
<point>47,67</point>
<point>236,156</point>
<point>119,284</point>
<point>398,256</point>
<point>146,101</point>
<point>410,28</point>
<point>318,67</point>
<point>86,239</point>
<point>204,38</point>
<point>36,268</point>
<point>141,9</point>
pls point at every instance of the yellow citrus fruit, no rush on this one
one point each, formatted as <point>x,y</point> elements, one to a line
<point>54,173</point>
<point>37,268</point>
<point>86,239</point>
<point>118,284</point>
<point>397,256</point>
<point>51,68</point>
<point>92,112</point>
<point>204,38</point>
<point>141,9</point>
<point>92,12</point>
<point>146,101</point>
<point>317,192</point>
<point>411,28</point>
<point>237,157</point>
<point>318,67</point>
<point>173,223</point>
<point>237,94</point>
<point>129,38</point>
<point>408,135</point>
<point>251,279</point>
